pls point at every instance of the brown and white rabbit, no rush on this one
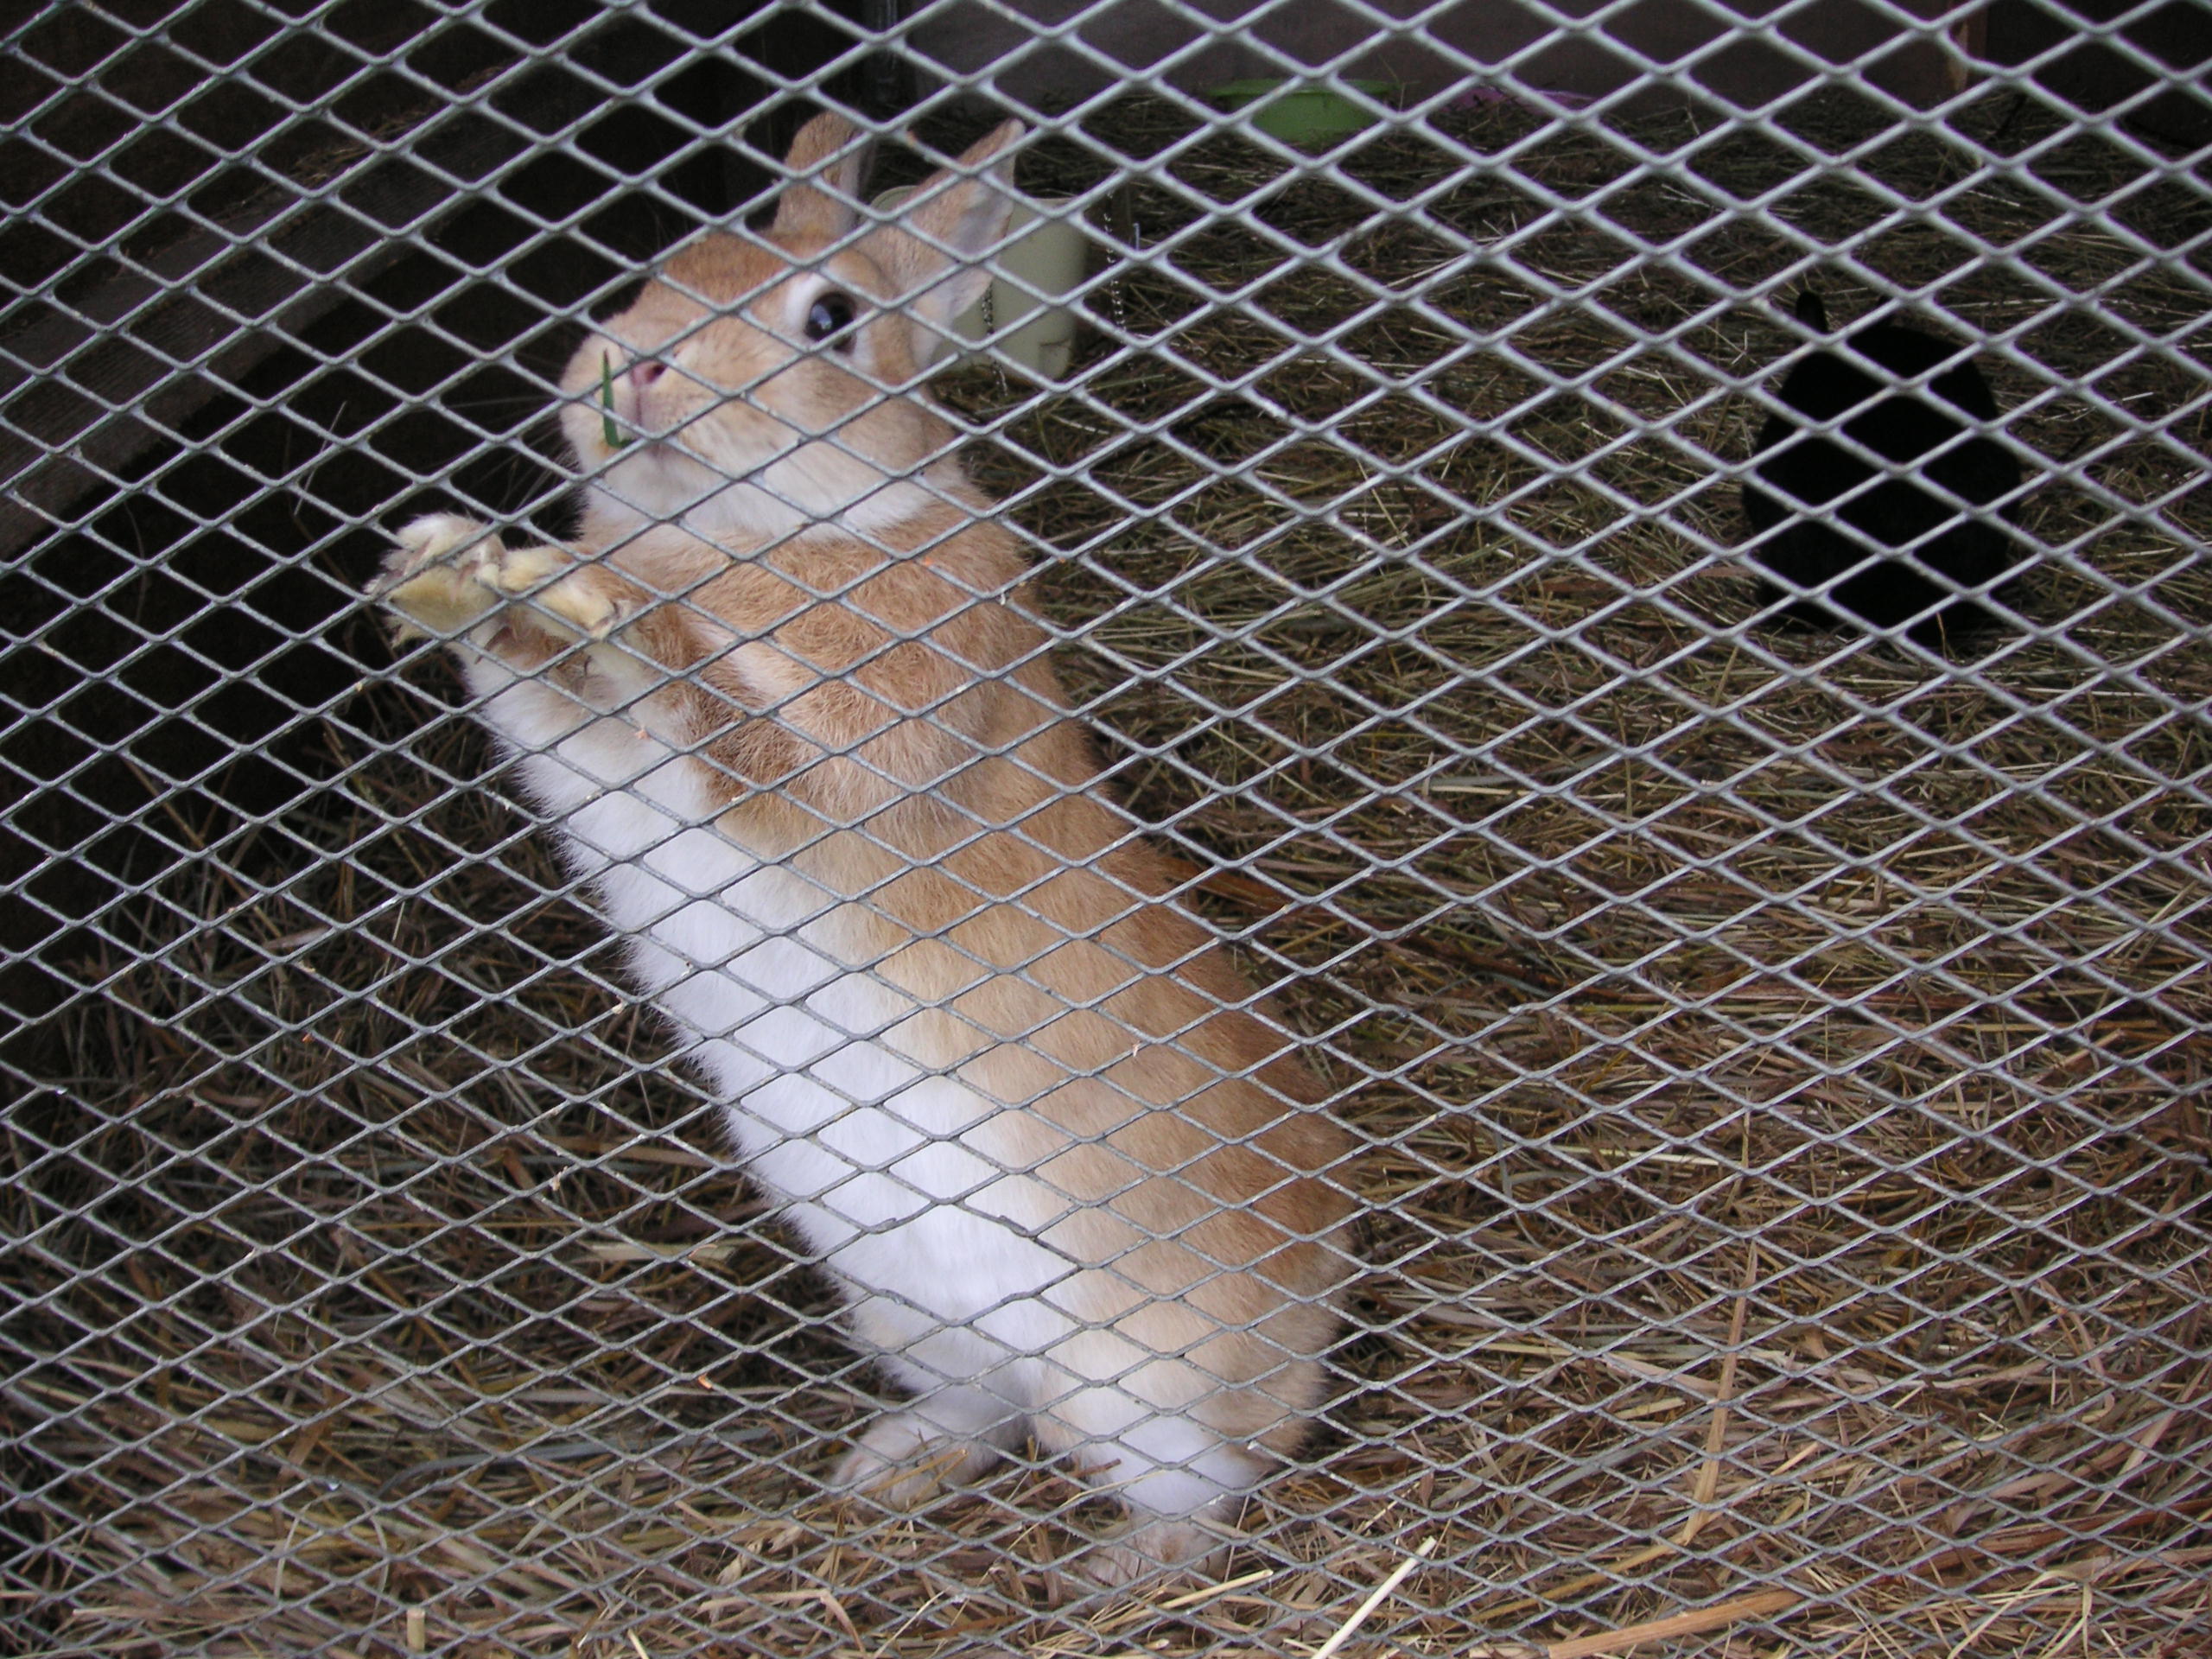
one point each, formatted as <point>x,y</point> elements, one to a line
<point>783,706</point>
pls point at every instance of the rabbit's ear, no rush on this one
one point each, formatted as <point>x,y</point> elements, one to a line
<point>935,255</point>
<point>827,167</point>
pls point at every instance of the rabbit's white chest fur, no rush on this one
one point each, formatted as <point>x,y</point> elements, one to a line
<point>897,1174</point>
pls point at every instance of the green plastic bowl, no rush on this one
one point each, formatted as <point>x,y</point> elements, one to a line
<point>1299,113</point>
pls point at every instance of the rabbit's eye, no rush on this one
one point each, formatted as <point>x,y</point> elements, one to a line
<point>830,316</point>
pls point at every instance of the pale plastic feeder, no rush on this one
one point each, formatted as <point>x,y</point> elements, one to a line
<point>1043,259</point>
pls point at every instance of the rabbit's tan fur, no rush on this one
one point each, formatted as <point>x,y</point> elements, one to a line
<point>791,719</point>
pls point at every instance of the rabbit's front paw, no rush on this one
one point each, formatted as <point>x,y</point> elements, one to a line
<point>448,574</point>
<point>586,603</point>
<point>433,579</point>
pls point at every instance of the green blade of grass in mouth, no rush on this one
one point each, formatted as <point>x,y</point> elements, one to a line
<point>607,428</point>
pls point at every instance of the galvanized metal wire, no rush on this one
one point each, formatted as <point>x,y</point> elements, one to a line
<point>1776,1054</point>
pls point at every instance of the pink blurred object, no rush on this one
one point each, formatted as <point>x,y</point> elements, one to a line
<point>1484,93</point>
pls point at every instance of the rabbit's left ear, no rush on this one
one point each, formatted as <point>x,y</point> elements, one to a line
<point>827,163</point>
<point>935,253</point>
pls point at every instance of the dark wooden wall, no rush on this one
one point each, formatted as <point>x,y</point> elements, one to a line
<point>1919,68</point>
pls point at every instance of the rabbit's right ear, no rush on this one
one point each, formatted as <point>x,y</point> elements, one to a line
<point>823,202</point>
<point>935,253</point>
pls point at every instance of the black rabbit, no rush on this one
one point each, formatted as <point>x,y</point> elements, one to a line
<point>1889,531</point>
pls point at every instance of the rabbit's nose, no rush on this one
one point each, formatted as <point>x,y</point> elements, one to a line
<point>644,371</point>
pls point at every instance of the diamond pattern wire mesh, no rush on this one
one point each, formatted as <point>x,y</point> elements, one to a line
<point>1775,1055</point>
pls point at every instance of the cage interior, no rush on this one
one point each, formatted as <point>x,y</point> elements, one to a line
<point>1775,1052</point>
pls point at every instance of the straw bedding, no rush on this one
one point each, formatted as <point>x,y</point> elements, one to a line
<point>1780,1054</point>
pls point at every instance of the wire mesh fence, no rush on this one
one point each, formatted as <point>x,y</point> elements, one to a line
<point>509,1128</point>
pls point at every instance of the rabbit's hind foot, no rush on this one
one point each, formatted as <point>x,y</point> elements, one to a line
<point>907,1459</point>
<point>1184,1487</point>
<point>1191,1549</point>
